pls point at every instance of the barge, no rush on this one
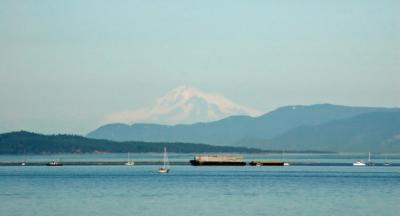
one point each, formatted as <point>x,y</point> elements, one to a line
<point>268,163</point>
<point>218,160</point>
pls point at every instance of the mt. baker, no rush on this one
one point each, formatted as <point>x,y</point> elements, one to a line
<point>184,105</point>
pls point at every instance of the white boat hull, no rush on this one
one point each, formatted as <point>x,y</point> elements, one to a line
<point>359,163</point>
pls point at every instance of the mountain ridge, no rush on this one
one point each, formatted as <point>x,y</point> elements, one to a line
<point>375,131</point>
<point>22,142</point>
<point>233,129</point>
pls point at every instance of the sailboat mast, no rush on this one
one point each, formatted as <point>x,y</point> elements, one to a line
<point>165,157</point>
<point>369,156</point>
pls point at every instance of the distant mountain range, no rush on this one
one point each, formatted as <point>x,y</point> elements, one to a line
<point>374,132</point>
<point>315,127</point>
<point>184,104</point>
<point>32,143</point>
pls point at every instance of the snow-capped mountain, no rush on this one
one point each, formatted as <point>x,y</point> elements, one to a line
<point>184,105</point>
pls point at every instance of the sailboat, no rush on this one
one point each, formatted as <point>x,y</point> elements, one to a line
<point>129,162</point>
<point>362,163</point>
<point>369,160</point>
<point>24,162</point>
<point>165,167</point>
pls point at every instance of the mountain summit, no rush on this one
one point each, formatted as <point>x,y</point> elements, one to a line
<point>184,105</point>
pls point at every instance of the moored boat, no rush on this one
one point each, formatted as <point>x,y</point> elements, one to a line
<point>129,162</point>
<point>359,163</point>
<point>54,163</point>
<point>165,167</point>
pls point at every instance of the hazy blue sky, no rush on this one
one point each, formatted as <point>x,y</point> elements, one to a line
<point>66,64</point>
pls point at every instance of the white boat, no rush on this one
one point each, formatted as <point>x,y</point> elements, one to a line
<point>362,163</point>
<point>24,162</point>
<point>386,163</point>
<point>165,167</point>
<point>359,163</point>
<point>129,162</point>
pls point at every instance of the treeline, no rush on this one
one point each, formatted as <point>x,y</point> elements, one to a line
<point>23,142</point>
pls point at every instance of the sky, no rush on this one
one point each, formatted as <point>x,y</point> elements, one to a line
<point>66,64</point>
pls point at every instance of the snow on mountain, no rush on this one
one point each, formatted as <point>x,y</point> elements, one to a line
<point>184,105</point>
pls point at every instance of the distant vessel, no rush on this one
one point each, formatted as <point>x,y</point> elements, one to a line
<point>362,163</point>
<point>24,162</point>
<point>218,160</point>
<point>359,163</point>
<point>54,163</point>
<point>386,163</point>
<point>165,167</point>
<point>129,162</point>
<point>369,160</point>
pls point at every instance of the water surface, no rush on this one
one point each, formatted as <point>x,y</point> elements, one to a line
<point>186,190</point>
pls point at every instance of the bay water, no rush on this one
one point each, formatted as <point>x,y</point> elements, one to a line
<point>187,190</point>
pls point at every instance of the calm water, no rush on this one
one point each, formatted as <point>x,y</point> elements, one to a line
<point>301,157</point>
<point>186,190</point>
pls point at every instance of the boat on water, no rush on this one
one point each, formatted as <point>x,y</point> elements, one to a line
<point>129,162</point>
<point>165,167</point>
<point>54,163</point>
<point>359,163</point>
<point>218,160</point>
<point>369,163</point>
<point>23,163</point>
<point>362,163</point>
<point>386,163</point>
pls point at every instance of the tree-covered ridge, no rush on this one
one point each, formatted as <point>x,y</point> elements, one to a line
<point>31,143</point>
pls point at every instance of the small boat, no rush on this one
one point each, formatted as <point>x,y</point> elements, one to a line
<point>370,163</point>
<point>386,163</point>
<point>362,163</point>
<point>23,163</point>
<point>129,162</point>
<point>165,167</point>
<point>286,164</point>
<point>359,163</point>
<point>54,163</point>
